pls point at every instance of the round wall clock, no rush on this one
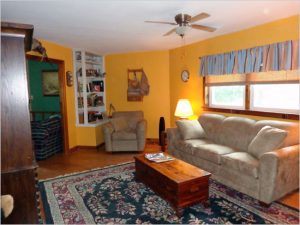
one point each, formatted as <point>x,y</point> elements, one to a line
<point>185,75</point>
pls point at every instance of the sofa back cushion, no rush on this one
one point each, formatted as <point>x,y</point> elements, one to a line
<point>237,133</point>
<point>266,140</point>
<point>132,117</point>
<point>212,124</point>
<point>292,129</point>
<point>190,129</point>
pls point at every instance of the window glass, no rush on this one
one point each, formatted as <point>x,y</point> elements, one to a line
<point>275,97</point>
<point>227,97</point>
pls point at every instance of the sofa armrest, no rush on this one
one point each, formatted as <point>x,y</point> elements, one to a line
<point>141,130</point>
<point>278,173</point>
<point>173,136</point>
<point>107,132</point>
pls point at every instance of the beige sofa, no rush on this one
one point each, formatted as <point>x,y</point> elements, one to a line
<point>126,131</point>
<point>223,147</point>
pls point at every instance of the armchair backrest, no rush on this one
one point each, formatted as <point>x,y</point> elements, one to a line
<point>132,117</point>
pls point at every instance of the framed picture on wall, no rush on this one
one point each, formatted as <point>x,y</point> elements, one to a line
<point>50,83</point>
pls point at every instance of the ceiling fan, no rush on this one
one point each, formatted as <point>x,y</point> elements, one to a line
<point>184,21</point>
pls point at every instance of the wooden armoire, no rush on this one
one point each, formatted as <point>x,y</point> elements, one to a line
<point>18,165</point>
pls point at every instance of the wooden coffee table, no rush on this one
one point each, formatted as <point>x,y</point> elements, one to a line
<point>178,182</point>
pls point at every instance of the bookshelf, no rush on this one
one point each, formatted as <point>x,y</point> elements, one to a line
<point>89,88</point>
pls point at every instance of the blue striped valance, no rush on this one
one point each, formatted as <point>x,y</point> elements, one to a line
<point>273,57</point>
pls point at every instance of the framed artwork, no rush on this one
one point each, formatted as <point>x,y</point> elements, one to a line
<point>50,83</point>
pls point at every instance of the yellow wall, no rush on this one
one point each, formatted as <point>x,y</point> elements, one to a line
<point>156,67</point>
<point>278,31</point>
<point>89,136</point>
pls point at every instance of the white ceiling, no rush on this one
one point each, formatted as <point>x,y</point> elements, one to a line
<point>110,26</point>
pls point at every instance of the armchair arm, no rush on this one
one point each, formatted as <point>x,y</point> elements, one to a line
<point>141,130</point>
<point>173,136</point>
<point>278,173</point>
<point>107,132</point>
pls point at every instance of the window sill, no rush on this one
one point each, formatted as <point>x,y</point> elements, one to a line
<point>254,113</point>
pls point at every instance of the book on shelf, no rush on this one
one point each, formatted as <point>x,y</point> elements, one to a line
<point>101,86</point>
<point>95,100</point>
<point>80,87</point>
<point>91,87</point>
<point>158,157</point>
<point>80,102</point>
<point>94,116</point>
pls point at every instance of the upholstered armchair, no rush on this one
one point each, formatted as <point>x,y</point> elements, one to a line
<point>126,131</point>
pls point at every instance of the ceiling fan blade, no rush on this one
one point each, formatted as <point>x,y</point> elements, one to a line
<point>170,32</point>
<point>199,17</point>
<point>170,23</point>
<point>201,27</point>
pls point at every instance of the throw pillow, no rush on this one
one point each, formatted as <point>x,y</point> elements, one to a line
<point>266,140</point>
<point>119,123</point>
<point>190,129</point>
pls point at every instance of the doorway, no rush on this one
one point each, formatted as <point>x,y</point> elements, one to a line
<point>48,101</point>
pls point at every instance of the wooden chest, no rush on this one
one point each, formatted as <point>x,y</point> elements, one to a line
<point>178,182</point>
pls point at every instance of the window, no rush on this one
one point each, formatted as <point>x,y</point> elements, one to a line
<point>274,94</point>
<point>227,96</point>
<point>275,98</point>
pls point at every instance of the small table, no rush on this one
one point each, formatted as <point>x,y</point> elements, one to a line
<point>178,182</point>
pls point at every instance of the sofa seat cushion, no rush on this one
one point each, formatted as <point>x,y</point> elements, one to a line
<point>211,152</point>
<point>127,134</point>
<point>189,145</point>
<point>242,162</point>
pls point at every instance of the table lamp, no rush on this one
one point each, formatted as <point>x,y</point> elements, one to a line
<point>183,109</point>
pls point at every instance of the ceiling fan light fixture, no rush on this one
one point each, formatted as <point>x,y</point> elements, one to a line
<point>181,30</point>
<point>184,22</point>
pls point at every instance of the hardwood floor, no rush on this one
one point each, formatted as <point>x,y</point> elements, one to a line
<point>87,159</point>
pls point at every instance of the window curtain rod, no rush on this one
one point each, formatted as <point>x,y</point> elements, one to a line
<point>272,57</point>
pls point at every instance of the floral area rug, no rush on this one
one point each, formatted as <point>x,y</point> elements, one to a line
<point>111,195</point>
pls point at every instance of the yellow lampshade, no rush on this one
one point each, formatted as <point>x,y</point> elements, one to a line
<point>183,108</point>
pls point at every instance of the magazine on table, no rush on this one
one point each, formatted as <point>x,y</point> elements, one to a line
<point>158,157</point>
